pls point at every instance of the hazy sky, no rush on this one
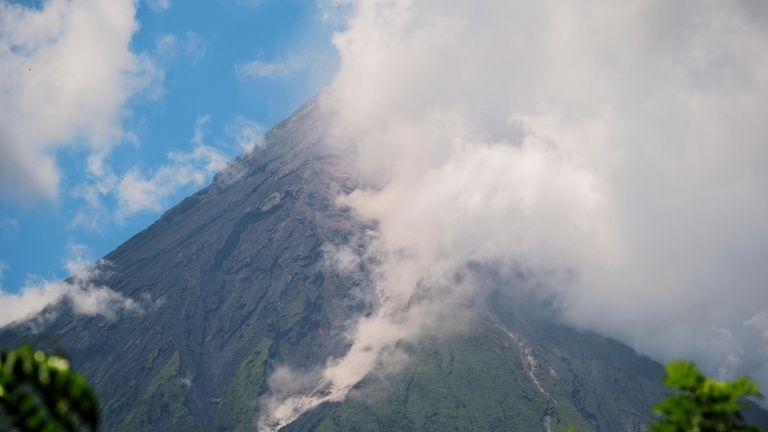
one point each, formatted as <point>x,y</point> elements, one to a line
<point>113,111</point>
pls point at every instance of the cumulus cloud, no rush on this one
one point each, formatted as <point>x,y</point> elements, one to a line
<point>67,73</point>
<point>613,152</point>
<point>81,290</point>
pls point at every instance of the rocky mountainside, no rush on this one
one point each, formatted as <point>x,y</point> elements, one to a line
<point>234,282</point>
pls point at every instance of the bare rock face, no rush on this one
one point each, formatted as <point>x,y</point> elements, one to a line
<point>234,281</point>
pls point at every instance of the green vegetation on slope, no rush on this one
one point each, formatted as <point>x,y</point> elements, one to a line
<point>468,383</point>
<point>473,382</point>
<point>163,402</point>
<point>242,397</point>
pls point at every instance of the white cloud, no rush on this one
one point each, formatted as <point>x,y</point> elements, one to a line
<point>96,214</point>
<point>257,69</point>
<point>66,75</point>
<point>158,5</point>
<point>85,295</point>
<point>79,264</point>
<point>246,134</point>
<point>114,197</point>
<point>613,152</point>
<point>192,46</point>
<point>138,192</point>
<point>166,45</point>
<point>341,258</point>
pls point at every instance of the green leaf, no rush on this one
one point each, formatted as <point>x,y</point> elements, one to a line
<point>702,404</point>
<point>41,393</point>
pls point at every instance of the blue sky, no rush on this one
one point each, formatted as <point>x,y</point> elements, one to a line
<point>215,75</point>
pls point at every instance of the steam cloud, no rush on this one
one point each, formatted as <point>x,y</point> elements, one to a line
<point>614,150</point>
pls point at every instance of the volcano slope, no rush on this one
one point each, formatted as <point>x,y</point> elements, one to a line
<point>235,282</point>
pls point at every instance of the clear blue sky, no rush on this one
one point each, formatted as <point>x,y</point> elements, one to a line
<point>229,69</point>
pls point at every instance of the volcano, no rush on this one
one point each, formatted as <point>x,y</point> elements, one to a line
<point>235,284</point>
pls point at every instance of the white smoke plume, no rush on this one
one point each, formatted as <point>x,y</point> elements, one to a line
<point>616,150</point>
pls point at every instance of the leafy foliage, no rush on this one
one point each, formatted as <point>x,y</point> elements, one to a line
<point>39,392</point>
<point>702,404</point>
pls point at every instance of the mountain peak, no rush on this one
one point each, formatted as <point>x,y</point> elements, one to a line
<point>243,294</point>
